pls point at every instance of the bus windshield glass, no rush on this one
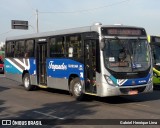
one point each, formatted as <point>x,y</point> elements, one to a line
<point>126,55</point>
<point>156,55</point>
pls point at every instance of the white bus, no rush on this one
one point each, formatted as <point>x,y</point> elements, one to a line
<point>100,60</point>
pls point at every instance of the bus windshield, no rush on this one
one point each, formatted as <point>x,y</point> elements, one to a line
<point>156,55</point>
<point>126,55</point>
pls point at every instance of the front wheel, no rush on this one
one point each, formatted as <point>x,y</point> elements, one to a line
<point>27,82</point>
<point>76,89</point>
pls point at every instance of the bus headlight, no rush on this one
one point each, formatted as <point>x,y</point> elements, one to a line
<point>108,79</point>
<point>150,79</point>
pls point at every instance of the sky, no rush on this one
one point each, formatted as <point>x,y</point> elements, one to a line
<point>61,14</point>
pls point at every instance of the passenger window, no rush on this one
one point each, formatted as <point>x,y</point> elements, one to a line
<point>29,52</point>
<point>74,46</point>
<point>10,49</point>
<point>57,47</point>
<point>19,49</point>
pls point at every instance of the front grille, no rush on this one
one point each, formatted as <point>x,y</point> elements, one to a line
<point>130,75</point>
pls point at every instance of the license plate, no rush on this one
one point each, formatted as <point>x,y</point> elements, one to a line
<point>133,92</point>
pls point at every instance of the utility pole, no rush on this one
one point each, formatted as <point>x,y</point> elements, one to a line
<point>37,20</point>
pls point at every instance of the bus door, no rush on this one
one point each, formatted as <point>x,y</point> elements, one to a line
<point>90,65</point>
<point>41,63</point>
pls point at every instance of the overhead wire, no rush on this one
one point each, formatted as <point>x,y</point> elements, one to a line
<point>6,32</point>
<point>78,11</point>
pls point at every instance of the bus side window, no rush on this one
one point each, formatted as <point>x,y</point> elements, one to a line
<point>10,49</point>
<point>19,49</point>
<point>70,52</point>
<point>57,47</point>
<point>29,51</point>
<point>52,47</point>
<point>74,46</point>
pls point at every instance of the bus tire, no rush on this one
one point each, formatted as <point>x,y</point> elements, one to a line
<point>76,89</point>
<point>27,82</point>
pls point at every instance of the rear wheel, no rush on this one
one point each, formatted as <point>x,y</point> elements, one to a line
<point>27,83</point>
<point>76,89</point>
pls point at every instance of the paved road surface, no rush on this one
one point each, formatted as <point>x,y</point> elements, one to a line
<point>16,103</point>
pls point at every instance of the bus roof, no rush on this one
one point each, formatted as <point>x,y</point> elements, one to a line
<point>93,28</point>
<point>153,39</point>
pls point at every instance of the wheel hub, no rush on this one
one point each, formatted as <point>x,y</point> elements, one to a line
<point>77,89</point>
<point>26,82</point>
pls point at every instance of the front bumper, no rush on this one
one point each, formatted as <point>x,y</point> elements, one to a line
<point>108,90</point>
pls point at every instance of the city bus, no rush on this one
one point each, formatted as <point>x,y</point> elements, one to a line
<point>99,60</point>
<point>155,46</point>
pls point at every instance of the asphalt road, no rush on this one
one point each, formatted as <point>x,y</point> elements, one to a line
<point>17,103</point>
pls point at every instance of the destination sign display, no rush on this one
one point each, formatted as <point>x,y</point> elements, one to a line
<point>123,32</point>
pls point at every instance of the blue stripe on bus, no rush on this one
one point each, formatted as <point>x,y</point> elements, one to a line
<point>62,68</point>
<point>13,68</point>
<point>9,68</point>
<point>56,68</point>
<point>137,81</point>
<point>130,82</point>
<point>32,69</point>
